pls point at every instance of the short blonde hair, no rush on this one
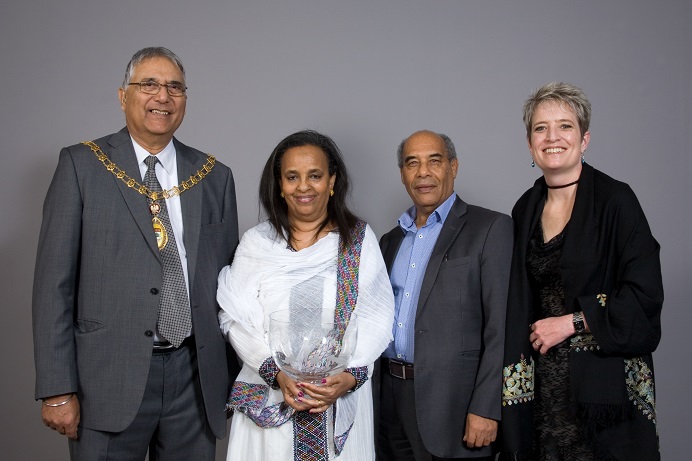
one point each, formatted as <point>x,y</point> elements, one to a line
<point>564,93</point>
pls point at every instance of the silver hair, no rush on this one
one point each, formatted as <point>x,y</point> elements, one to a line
<point>563,93</point>
<point>148,53</point>
<point>450,150</point>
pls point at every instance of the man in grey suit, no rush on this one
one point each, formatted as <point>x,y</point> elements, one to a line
<point>449,263</point>
<point>136,226</point>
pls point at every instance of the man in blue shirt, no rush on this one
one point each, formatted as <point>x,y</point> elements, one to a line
<point>448,261</point>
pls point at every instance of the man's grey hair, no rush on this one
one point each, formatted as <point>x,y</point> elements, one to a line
<point>148,53</point>
<point>450,150</point>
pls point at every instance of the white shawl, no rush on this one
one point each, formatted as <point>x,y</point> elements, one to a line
<point>260,280</point>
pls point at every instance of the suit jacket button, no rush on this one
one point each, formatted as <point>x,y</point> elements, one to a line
<point>149,333</point>
<point>154,291</point>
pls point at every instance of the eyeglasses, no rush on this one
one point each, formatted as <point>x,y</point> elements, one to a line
<point>152,87</point>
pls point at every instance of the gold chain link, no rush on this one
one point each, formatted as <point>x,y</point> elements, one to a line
<point>142,189</point>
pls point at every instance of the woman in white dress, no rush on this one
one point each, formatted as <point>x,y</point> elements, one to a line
<point>310,253</point>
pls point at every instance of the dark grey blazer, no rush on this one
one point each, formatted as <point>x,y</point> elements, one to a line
<point>460,325</point>
<point>98,270</point>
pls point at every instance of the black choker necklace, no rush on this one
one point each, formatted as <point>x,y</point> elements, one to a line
<point>563,186</point>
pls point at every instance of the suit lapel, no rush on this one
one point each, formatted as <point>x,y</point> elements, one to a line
<point>450,230</point>
<point>121,152</point>
<point>397,236</point>
<point>191,204</point>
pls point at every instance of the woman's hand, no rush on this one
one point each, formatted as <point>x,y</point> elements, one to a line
<point>293,395</point>
<point>546,333</point>
<point>324,395</point>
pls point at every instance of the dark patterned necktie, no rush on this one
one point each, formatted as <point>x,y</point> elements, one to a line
<point>174,321</point>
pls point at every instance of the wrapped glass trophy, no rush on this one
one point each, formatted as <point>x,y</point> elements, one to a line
<point>310,344</point>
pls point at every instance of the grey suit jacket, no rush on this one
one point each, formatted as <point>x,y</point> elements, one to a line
<point>460,325</point>
<point>98,271</point>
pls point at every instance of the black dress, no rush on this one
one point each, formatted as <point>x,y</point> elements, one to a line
<point>607,252</point>
<point>557,433</point>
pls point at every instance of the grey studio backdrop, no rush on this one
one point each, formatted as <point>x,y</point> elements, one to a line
<point>367,73</point>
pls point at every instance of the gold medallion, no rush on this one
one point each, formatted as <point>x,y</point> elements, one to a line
<point>160,232</point>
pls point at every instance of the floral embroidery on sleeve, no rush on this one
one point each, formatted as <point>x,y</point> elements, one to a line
<point>518,382</point>
<point>583,342</point>
<point>640,386</point>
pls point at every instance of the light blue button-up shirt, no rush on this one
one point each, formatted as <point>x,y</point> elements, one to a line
<point>407,275</point>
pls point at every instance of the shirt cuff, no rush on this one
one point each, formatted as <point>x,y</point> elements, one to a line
<point>268,371</point>
<point>361,375</point>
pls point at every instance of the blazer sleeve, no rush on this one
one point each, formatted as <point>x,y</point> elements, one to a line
<point>230,215</point>
<point>55,283</point>
<point>627,320</point>
<point>495,268</point>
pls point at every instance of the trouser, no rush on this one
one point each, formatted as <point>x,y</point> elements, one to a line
<point>399,438</point>
<point>171,423</point>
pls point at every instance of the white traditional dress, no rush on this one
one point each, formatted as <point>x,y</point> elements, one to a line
<point>267,276</point>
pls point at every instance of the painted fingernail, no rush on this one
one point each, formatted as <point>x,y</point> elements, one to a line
<point>300,394</point>
<point>299,400</point>
<point>324,380</point>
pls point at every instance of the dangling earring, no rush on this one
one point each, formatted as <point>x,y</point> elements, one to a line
<point>533,164</point>
<point>583,160</point>
<point>282,194</point>
<point>331,193</point>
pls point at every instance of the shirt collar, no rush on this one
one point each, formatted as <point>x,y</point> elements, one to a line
<point>166,156</point>
<point>407,221</point>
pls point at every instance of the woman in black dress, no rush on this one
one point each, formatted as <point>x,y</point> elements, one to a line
<point>584,303</point>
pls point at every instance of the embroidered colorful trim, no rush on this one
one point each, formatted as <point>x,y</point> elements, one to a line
<point>250,399</point>
<point>268,371</point>
<point>518,382</point>
<point>347,277</point>
<point>640,387</point>
<point>310,430</point>
<point>361,375</point>
<point>310,437</point>
<point>340,440</point>
<point>246,395</point>
<point>582,343</point>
